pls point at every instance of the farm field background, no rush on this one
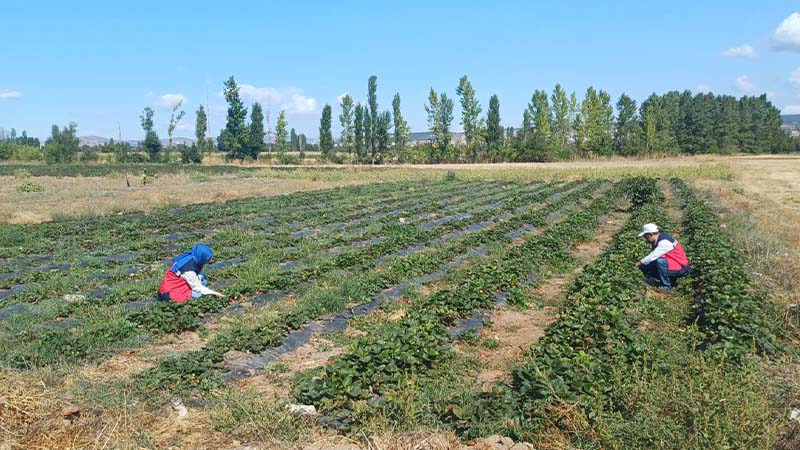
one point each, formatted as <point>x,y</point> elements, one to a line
<point>410,306</point>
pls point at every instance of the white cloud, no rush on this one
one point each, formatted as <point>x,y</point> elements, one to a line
<point>745,85</point>
<point>746,51</point>
<point>8,95</point>
<point>290,99</point>
<point>787,36</point>
<point>168,101</point>
<point>791,109</point>
<point>794,78</point>
<point>705,88</point>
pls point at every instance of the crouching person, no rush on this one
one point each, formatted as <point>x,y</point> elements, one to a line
<point>666,262</point>
<point>185,278</point>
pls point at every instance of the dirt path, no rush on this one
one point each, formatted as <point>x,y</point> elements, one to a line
<point>517,329</point>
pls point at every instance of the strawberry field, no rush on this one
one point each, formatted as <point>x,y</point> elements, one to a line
<point>402,280</point>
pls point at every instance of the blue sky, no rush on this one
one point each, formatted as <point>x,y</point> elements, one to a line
<point>99,63</point>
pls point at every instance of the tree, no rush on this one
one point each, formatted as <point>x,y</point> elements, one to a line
<point>358,130</point>
<point>204,144</point>
<point>578,122</point>
<point>432,110</point>
<point>151,143</point>
<point>561,116</point>
<point>346,120</point>
<point>280,132</point>
<point>401,129</point>
<point>62,145</point>
<point>235,136</point>
<point>682,134</point>
<point>727,126</point>
<point>673,120</point>
<point>295,140</point>
<point>524,134</point>
<point>372,102</point>
<point>325,135</point>
<point>702,123</point>
<point>301,143</point>
<point>368,126</point>
<point>255,132</point>
<point>382,132</point>
<point>494,131</point>
<point>470,110</point>
<point>174,119</point>
<point>194,153</point>
<point>599,117</point>
<point>542,139</point>
<point>440,116</point>
<point>747,137</point>
<point>627,130</point>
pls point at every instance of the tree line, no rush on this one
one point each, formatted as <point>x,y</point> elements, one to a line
<point>555,125</point>
<point>558,125</point>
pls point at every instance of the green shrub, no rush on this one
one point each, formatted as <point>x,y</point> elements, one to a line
<point>28,186</point>
<point>285,158</point>
<point>27,153</point>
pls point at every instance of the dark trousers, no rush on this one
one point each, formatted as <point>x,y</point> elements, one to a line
<point>658,273</point>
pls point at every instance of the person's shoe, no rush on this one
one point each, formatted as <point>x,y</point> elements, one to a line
<point>651,281</point>
<point>664,289</point>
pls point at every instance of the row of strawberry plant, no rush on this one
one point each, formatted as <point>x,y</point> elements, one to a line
<point>729,315</point>
<point>83,235</point>
<point>372,369</point>
<point>595,334</point>
<point>268,245</point>
<point>72,281</point>
<point>269,331</point>
<point>343,208</point>
<point>161,317</point>
<point>362,259</point>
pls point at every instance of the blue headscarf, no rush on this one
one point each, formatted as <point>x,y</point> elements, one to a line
<point>200,254</point>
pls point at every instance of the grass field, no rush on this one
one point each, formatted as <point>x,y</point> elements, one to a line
<point>413,307</point>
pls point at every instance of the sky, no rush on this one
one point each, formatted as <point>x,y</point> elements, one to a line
<point>100,63</point>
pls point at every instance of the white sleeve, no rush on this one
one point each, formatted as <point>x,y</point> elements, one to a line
<point>661,249</point>
<point>195,283</point>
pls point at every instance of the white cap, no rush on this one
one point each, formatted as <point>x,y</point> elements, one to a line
<point>648,228</point>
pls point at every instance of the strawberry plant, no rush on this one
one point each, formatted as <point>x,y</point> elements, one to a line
<point>729,315</point>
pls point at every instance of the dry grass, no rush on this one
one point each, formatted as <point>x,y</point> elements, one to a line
<point>32,416</point>
<point>76,196</point>
<point>761,209</point>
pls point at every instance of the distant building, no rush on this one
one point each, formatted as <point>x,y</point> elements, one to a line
<point>426,137</point>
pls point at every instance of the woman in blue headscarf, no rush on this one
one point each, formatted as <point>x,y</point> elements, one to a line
<point>185,278</point>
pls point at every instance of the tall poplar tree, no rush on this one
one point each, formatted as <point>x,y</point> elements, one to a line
<point>470,110</point>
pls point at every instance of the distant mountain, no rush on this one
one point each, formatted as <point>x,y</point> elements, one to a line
<point>791,120</point>
<point>178,141</point>
<point>92,141</point>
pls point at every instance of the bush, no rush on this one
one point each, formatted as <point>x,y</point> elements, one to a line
<point>6,149</point>
<point>26,153</point>
<point>191,154</point>
<point>285,158</point>
<point>89,155</point>
<point>28,186</point>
